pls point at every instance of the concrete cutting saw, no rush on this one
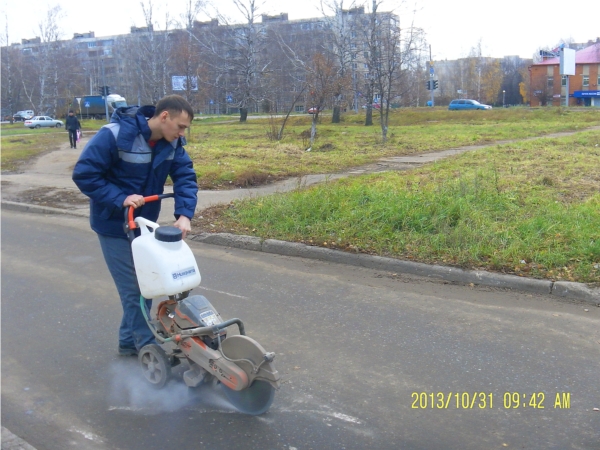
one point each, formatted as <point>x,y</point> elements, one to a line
<point>188,328</point>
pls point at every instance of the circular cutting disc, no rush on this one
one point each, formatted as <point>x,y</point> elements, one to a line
<point>253,400</point>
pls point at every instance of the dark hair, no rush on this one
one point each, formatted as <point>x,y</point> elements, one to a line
<point>70,111</point>
<point>174,104</point>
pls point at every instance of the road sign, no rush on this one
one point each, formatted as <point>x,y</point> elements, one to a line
<point>86,104</point>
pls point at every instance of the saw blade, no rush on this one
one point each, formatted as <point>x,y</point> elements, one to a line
<point>253,400</point>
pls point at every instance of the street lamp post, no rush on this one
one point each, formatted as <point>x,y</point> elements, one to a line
<point>503,93</point>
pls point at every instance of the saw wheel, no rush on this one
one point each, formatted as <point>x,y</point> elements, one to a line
<point>156,366</point>
<point>257,398</point>
<point>253,400</point>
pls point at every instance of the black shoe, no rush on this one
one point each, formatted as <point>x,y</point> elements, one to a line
<point>127,351</point>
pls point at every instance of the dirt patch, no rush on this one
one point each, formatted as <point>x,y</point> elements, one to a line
<point>52,197</point>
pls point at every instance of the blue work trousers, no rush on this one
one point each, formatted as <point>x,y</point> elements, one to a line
<point>134,331</point>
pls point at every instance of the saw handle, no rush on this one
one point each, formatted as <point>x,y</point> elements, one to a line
<point>214,329</point>
<point>130,224</point>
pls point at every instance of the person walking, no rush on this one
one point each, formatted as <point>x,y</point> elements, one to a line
<point>72,125</point>
<point>129,159</point>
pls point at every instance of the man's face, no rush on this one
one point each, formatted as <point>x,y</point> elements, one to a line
<point>174,126</point>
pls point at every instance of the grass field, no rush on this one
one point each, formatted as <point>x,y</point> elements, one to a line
<point>528,208</point>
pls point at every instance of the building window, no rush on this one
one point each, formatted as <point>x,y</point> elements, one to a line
<point>299,108</point>
<point>27,51</point>
<point>108,51</point>
<point>563,80</point>
<point>598,81</point>
<point>586,80</point>
<point>91,44</point>
<point>366,75</point>
<point>550,82</point>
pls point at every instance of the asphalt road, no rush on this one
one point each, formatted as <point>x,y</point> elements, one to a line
<point>369,359</point>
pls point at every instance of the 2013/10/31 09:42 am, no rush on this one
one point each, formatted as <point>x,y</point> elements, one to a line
<point>485,400</point>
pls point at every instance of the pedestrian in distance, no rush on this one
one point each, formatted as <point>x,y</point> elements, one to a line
<point>129,159</point>
<point>72,125</point>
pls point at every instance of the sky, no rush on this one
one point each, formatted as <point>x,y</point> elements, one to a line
<point>453,27</point>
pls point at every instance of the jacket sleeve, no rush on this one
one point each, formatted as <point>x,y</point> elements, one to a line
<point>90,172</point>
<point>185,184</point>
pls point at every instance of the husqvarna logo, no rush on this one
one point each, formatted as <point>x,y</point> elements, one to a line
<point>184,273</point>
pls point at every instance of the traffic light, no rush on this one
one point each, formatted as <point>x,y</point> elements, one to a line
<point>428,84</point>
<point>107,90</point>
<point>435,84</point>
<point>104,90</point>
<point>101,90</point>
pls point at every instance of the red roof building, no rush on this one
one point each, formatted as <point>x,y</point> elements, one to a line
<point>549,87</point>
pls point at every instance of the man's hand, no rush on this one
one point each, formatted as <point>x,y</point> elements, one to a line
<point>135,201</point>
<point>184,224</point>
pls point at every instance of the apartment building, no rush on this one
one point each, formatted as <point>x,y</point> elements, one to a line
<point>143,64</point>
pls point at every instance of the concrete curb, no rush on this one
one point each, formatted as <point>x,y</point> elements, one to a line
<point>24,207</point>
<point>567,290</point>
<point>13,442</point>
<point>562,289</point>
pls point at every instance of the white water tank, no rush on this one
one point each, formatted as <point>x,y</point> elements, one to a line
<point>164,263</point>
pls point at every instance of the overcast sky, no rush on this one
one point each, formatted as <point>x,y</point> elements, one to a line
<point>453,27</point>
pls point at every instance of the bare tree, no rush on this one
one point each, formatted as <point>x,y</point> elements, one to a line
<point>48,66</point>
<point>343,40</point>
<point>8,84</point>
<point>150,53</point>
<point>187,59</point>
<point>393,52</point>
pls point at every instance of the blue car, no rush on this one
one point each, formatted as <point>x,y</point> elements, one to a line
<point>456,105</point>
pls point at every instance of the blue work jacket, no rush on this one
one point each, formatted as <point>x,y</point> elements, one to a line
<point>118,162</point>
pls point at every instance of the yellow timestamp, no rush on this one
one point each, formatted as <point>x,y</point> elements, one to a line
<point>486,400</point>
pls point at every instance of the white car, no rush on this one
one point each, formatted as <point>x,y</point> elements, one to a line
<point>43,121</point>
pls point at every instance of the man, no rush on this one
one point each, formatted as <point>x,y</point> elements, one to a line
<point>127,160</point>
<point>72,125</point>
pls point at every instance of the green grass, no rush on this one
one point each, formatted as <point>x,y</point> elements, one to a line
<point>20,144</point>
<point>531,208</point>
<point>239,154</point>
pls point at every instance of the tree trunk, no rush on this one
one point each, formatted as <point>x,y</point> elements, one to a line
<point>336,115</point>
<point>243,114</point>
<point>369,116</point>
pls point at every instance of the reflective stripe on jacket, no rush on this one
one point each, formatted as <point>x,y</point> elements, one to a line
<point>118,162</point>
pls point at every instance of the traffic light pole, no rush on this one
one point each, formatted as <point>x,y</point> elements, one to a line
<point>431,74</point>
<point>104,90</point>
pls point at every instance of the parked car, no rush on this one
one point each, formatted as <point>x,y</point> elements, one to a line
<point>374,106</point>
<point>313,110</point>
<point>23,115</point>
<point>43,121</point>
<point>466,103</point>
